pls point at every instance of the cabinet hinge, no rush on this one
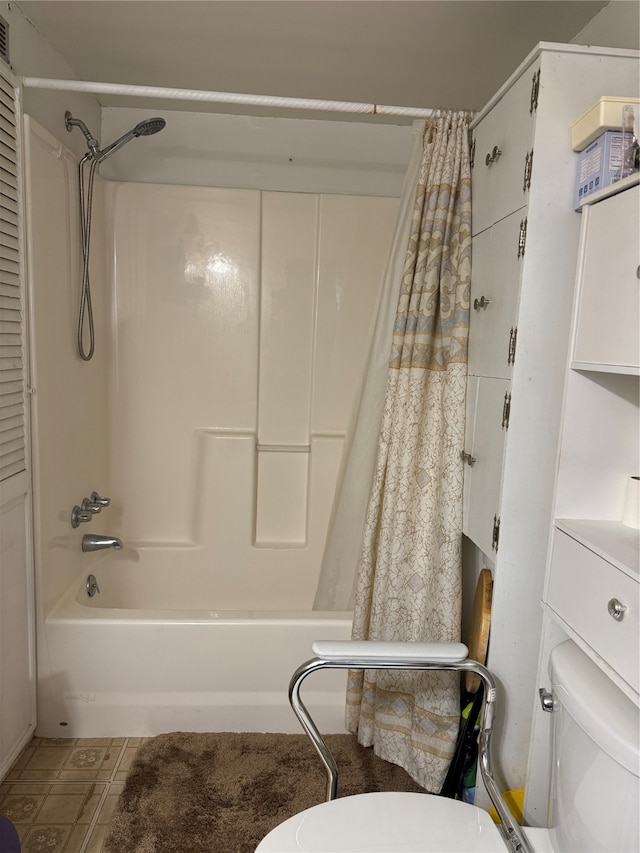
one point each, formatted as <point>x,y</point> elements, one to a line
<point>535,91</point>
<point>522,237</point>
<point>513,337</point>
<point>495,536</point>
<point>528,168</point>
<point>472,150</point>
<point>506,410</point>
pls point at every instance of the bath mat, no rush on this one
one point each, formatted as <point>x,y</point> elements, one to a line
<point>222,792</point>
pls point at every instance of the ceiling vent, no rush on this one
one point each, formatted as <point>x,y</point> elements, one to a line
<point>4,40</point>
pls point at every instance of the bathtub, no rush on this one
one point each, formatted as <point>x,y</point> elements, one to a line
<point>108,670</point>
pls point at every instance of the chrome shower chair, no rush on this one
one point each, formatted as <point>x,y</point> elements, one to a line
<point>368,654</point>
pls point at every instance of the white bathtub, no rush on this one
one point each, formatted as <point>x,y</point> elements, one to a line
<point>107,670</point>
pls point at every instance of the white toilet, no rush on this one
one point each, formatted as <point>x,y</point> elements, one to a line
<point>594,798</point>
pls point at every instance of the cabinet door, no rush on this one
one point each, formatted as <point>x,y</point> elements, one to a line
<point>499,180</point>
<point>486,446</point>
<point>607,325</point>
<point>495,291</point>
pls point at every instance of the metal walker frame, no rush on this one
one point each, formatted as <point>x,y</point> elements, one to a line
<point>370,654</point>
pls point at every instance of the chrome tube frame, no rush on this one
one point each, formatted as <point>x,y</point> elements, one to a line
<point>512,833</point>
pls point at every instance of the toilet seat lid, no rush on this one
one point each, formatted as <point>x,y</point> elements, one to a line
<point>388,822</point>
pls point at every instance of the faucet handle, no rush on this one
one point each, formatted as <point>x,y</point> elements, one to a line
<point>98,499</point>
<point>78,516</point>
<point>90,506</point>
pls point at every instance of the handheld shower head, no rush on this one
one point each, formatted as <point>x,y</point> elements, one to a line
<point>143,128</point>
<point>149,127</point>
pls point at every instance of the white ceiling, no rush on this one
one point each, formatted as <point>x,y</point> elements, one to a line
<point>421,53</point>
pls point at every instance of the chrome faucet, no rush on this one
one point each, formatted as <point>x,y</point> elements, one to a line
<point>94,542</point>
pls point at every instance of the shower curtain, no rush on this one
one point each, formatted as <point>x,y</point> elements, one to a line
<point>409,574</point>
<point>336,586</point>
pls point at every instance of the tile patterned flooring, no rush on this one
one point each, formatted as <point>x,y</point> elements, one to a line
<point>61,792</point>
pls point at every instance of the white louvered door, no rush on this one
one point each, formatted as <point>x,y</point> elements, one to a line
<point>17,675</point>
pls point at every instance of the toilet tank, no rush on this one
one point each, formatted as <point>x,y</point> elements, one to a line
<point>595,787</point>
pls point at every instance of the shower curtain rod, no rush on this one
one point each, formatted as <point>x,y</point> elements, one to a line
<point>224,97</point>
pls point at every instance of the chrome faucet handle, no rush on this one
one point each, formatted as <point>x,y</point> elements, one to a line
<point>90,506</point>
<point>79,516</point>
<point>99,499</point>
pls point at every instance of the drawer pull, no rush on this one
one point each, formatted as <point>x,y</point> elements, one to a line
<point>616,609</point>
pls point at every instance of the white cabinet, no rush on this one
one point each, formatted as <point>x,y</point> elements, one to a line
<point>525,249</point>
<point>607,327</point>
<point>592,592</point>
<point>596,558</point>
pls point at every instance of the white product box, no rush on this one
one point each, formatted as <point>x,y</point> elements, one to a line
<point>605,114</point>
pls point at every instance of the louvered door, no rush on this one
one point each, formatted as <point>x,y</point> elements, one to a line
<point>12,419</point>
<point>17,670</point>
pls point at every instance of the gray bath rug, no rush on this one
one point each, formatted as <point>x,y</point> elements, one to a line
<point>223,792</point>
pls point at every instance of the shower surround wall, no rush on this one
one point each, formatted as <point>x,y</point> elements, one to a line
<point>232,327</point>
<point>241,321</point>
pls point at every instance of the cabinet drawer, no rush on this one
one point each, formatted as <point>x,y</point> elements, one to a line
<point>581,585</point>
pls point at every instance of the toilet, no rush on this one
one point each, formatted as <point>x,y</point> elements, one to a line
<point>595,789</point>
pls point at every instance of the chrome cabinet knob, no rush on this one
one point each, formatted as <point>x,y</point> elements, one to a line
<point>468,458</point>
<point>616,609</point>
<point>493,156</point>
<point>481,303</point>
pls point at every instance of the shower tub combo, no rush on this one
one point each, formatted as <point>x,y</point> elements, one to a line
<point>129,663</point>
<point>221,450</point>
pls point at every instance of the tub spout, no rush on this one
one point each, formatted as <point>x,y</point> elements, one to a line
<point>93,542</point>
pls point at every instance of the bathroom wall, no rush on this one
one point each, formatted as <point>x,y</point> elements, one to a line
<point>616,25</point>
<point>284,154</point>
<point>32,55</point>
<point>69,397</point>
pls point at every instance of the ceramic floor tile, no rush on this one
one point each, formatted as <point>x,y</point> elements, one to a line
<point>23,758</point>
<point>28,787</point>
<point>125,763</point>
<point>108,806</point>
<point>22,808</point>
<point>96,839</point>
<point>76,839</point>
<point>60,808</point>
<point>90,806</point>
<point>46,839</point>
<point>48,758</point>
<point>61,792</point>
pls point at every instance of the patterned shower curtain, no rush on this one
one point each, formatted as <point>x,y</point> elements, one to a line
<point>409,577</point>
